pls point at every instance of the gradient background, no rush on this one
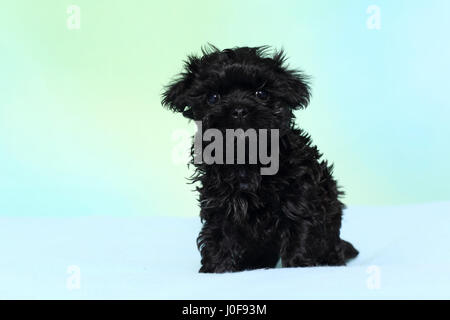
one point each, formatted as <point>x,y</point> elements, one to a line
<point>82,131</point>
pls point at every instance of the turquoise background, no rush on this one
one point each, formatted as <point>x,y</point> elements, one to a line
<point>82,131</point>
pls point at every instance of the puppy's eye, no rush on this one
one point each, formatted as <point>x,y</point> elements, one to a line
<point>213,98</point>
<point>261,94</point>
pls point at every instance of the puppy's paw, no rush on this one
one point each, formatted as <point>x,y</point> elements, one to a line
<point>299,261</point>
<point>222,268</point>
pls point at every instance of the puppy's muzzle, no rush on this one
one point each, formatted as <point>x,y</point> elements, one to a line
<point>239,113</point>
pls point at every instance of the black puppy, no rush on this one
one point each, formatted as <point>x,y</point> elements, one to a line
<point>251,220</point>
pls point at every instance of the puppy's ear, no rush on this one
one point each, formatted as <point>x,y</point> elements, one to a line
<point>296,84</point>
<point>176,95</point>
<point>299,94</point>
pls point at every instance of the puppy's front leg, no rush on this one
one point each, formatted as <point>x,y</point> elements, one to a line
<point>219,253</point>
<point>301,245</point>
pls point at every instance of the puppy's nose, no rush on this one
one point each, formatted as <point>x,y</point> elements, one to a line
<point>239,113</point>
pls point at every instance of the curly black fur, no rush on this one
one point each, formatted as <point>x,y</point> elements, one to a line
<point>251,220</point>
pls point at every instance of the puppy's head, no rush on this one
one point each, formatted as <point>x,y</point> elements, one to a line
<point>238,88</point>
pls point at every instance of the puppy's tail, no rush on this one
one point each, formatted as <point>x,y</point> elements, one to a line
<point>348,250</point>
